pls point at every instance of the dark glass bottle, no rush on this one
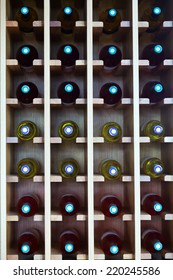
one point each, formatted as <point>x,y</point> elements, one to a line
<point>27,168</point>
<point>25,56</point>
<point>29,242</point>
<point>152,204</point>
<point>111,20</point>
<point>25,17</point>
<point>111,56</point>
<point>154,53</point>
<point>69,205</point>
<point>110,206</point>
<point>26,92</point>
<point>111,243</point>
<point>153,241</point>
<point>69,242</point>
<point>152,167</point>
<point>68,16</point>
<point>154,90</point>
<point>68,92</point>
<point>28,205</point>
<point>111,93</point>
<point>155,17</point>
<point>68,54</point>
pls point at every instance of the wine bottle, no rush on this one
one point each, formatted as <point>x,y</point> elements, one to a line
<point>68,92</point>
<point>110,205</point>
<point>28,205</point>
<point>69,242</point>
<point>111,132</point>
<point>153,129</point>
<point>26,92</point>
<point>111,243</point>
<point>111,20</point>
<point>68,168</point>
<point>68,54</point>
<point>69,205</point>
<point>25,56</point>
<point>111,93</point>
<point>26,130</point>
<point>27,168</point>
<point>68,130</point>
<point>111,169</point>
<point>25,17</point>
<point>154,90</point>
<point>152,167</point>
<point>154,53</point>
<point>68,16</point>
<point>29,242</point>
<point>111,56</point>
<point>152,204</point>
<point>153,241</point>
<point>155,18</point>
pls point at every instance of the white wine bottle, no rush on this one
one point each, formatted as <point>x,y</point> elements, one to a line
<point>68,168</point>
<point>112,132</point>
<point>27,168</point>
<point>26,130</point>
<point>152,167</point>
<point>153,129</point>
<point>68,130</point>
<point>111,169</point>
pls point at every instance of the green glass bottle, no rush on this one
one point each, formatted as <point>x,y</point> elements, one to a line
<point>112,132</point>
<point>27,168</point>
<point>152,167</point>
<point>111,170</point>
<point>26,130</point>
<point>68,130</point>
<point>68,168</point>
<point>153,129</point>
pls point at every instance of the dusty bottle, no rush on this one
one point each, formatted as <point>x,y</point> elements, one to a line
<point>111,20</point>
<point>68,92</point>
<point>110,205</point>
<point>69,242</point>
<point>111,93</point>
<point>111,56</point>
<point>111,243</point>
<point>68,54</point>
<point>68,17</point>
<point>27,168</point>
<point>153,129</point>
<point>153,241</point>
<point>29,242</point>
<point>152,204</point>
<point>111,169</point>
<point>111,132</point>
<point>155,18</point>
<point>154,53</point>
<point>68,168</point>
<point>26,92</point>
<point>68,130</point>
<point>25,56</point>
<point>152,167</point>
<point>69,205</point>
<point>28,205</point>
<point>26,130</point>
<point>154,90</point>
<point>25,17</point>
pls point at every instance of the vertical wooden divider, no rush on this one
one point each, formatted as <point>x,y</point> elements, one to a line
<point>47,150</point>
<point>90,151</point>
<point>136,129</point>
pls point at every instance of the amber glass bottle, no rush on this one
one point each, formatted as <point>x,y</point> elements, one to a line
<point>25,17</point>
<point>111,243</point>
<point>29,242</point>
<point>111,20</point>
<point>28,205</point>
<point>26,92</point>
<point>68,92</point>
<point>25,56</point>
<point>69,242</point>
<point>68,16</point>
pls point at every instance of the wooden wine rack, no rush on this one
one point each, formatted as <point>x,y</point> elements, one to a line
<point>90,114</point>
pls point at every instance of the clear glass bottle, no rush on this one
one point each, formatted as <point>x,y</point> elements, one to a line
<point>25,17</point>
<point>68,17</point>
<point>111,19</point>
<point>68,54</point>
<point>111,132</point>
<point>155,91</point>
<point>111,93</point>
<point>152,204</point>
<point>152,167</point>
<point>28,205</point>
<point>111,243</point>
<point>155,17</point>
<point>153,241</point>
<point>68,168</point>
<point>154,53</point>
<point>68,130</point>
<point>27,168</point>
<point>110,205</point>
<point>25,56</point>
<point>69,205</point>
<point>29,242</point>
<point>68,92</point>
<point>111,169</point>
<point>26,130</point>
<point>153,129</point>
<point>69,241</point>
<point>26,92</point>
<point>111,56</point>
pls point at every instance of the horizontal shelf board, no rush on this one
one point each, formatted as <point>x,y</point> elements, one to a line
<point>169,255</point>
<point>145,24</point>
<point>58,178</point>
<point>39,257</point>
<point>124,101</point>
<point>15,178</point>
<point>99,216</point>
<point>168,216</point>
<point>14,62</point>
<point>100,63</point>
<point>166,139</point>
<point>15,102</point>
<point>57,216</point>
<point>79,256</point>
<point>145,62</point>
<point>15,140</point>
<point>165,178</point>
<point>124,178</point>
<point>99,255</point>
<point>56,63</point>
<point>13,217</point>
<point>78,24</point>
<point>99,24</point>
<point>13,23</point>
<point>100,139</point>
<point>145,216</point>
<point>145,255</point>
<point>57,101</point>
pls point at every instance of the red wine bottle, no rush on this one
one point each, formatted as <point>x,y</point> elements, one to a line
<point>25,56</point>
<point>111,19</point>
<point>155,18</point>
<point>28,205</point>
<point>111,93</point>
<point>68,16</point>
<point>26,92</point>
<point>152,204</point>
<point>69,205</point>
<point>153,241</point>
<point>111,243</point>
<point>154,53</point>
<point>29,242</point>
<point>68,54</point>
<point>69,242</point>
<point>110,206</point>
<point>111,56</point>
<point>25,17</point>
<point>154,90</point>
<point>68,92</point>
